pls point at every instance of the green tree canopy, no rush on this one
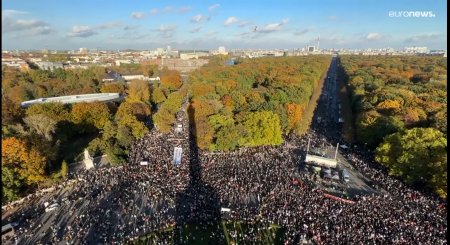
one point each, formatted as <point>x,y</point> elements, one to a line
<point>417,155</point>
<point>91,114</point>
<point>158,95</point>
<point>261,128</point>
<point>126,117</point>
<point>55,111</point>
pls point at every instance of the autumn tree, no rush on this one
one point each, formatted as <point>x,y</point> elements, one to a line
<point>158,96</point>
<point>125,117</point>
<point>173,102</point>
<point>439,120</point>
<point>417,155</point>
<point>39,131</point>
<point>227,133</point>
<point>236,92</point>
<point>12,184</point>
<point>94,114</point>
<point>389,107</point>
<point>164,120</point>
<point>171,79</point>
<point>41,125</point>
<point>19,94</point>
<point>11,111</point>
<point>138,91</point>
<point>138,109</point>
<point>406,91</point>
<point>294,113</point>
<point>201,89</point>
<point>113,88</point>
<point>227,137</point>
<point>373,127</point>
<point>414,116</point>
<point>10,77</point>
<point>55,111</point>
<point>166,115</point>
<point>149,69</point>
<point>204,133</point>
<point>26,162</point>
<point>124,136</point>
<point>261,128</point>
<point>228,102</point>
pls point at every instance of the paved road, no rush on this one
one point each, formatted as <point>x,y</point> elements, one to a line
<point>327,127</point>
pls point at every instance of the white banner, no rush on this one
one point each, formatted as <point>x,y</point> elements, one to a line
<point>177,155</point>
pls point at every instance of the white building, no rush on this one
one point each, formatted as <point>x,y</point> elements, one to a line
<point>70,99</point>
<point>159,51</point>
<point>118,62</point>
<point>196,55</point>
<point>83,51</point>
<point>46,65</point>
<point>416,50</point>
<point>139,77</point>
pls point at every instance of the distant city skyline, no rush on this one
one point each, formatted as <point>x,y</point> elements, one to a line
<point>144,25</point>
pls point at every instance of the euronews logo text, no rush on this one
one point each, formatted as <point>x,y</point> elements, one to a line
<point>412,14</point>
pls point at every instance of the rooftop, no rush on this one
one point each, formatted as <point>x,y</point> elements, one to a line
<point>69,99</point>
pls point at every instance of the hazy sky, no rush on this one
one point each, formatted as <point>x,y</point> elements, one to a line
<point>148,24</point>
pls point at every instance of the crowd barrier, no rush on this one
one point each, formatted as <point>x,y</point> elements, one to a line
<point>338,198</point>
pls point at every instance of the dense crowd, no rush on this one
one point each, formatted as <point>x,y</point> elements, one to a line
<point>258,185</point>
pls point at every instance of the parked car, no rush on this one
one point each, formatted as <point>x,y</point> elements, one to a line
<point>345,175</point>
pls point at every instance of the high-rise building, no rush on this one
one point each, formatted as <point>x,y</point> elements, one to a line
<point>318,44</point>
<point>83,50</point>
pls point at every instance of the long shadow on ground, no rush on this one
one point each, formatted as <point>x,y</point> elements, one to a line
<point>198,217</point>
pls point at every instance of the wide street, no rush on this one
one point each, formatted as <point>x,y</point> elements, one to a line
<point>327,128</point>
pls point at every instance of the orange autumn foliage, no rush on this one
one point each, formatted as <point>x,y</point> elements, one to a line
<point>171,80</point>
<point>26,161</point>
<point>295,113</point>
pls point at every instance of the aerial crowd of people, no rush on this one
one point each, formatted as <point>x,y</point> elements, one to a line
<point>256,185</point>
